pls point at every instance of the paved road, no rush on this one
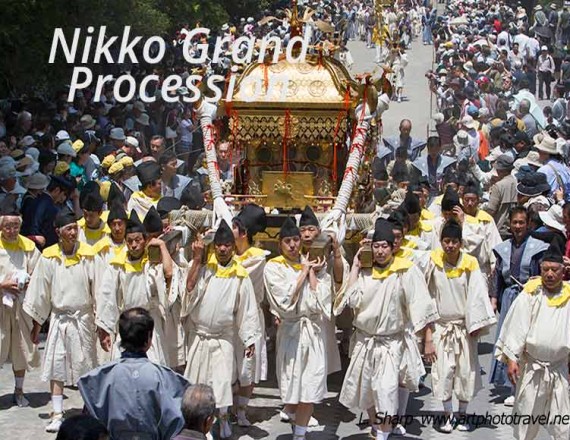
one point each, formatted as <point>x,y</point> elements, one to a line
<point>336,421</point>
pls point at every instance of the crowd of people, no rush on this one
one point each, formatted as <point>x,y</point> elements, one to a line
<point>469,230</point>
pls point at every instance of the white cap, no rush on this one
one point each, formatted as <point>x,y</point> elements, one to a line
<point>62,135</point>
<point>132,141</point>
<point>26,141</point>
<point>544,48</point>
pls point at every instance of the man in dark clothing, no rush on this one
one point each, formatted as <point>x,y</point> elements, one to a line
<point>39,227</point>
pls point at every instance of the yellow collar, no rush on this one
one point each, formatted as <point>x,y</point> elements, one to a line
<point>251,252</point>
<point>282,260</point>
<point>480,217</point>
<point>423,226</point>
<point>409,244</point>
<point>21,244</point>
<point>83,251</point>
<point>532,287</point>
<point>404,253</point>
<point>106,243</point>
<point>466,263</point>
<point>398,265</point>
<point>142,195</point>
<point>427,215</point>
<point>121,259</point>
<point>233,269</point>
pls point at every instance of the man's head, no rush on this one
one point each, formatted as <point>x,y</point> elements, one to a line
<point>405,128</point>
<point>433,146</point>
<point>290,239</point>
<point>92,206</point>
<point>518,222</point>
<point>249,221</point>
<point>451,236</point>
<point>224,243</point>
<point>149,176</point>
<point>309,227</point>
<point>66,227</point>
<point>136,327</point>
<point>223,152</point>
<point>198,408</point>
<point>383,242</point>
<point>552,269</point>
<point>471,198</point>
<point>135,236</point>
<point>10,220</point>
<point>168,164</point>
<point>524,107</point>
<point>59,189</point>
<point>398,221</point>
<point>449,202</point>
<point>157,146</point>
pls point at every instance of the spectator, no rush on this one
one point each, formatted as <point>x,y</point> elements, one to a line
<point>198,408</point>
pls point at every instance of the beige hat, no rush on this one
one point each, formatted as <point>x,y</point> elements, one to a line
<point>37,181</point>
<point>143,119</point>
<point>469,122</point>
<point>139,106</point>
<point>87,122</point>
<point>132,141</point>
<point>553,218</point>
<point>547,145</point>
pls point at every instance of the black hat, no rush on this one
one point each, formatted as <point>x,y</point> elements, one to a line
<point>148,172</point>
<point>522,136</point>
<point>472,188</point>
<point>252,218</point>
<point>116,212</point>
<point>64,217</point>
<point>378,169</point>
<point>167,204</point>
<point>224,234</point>
<point>553,254</point>
<point>192,197</point>
<point>289,229</point>
<point>381,195</point>
<point>451,229</point>
<point>92,202</point>
<point>383,231</point>
<point>398,220</point>
<point>533,184</point>
<point>61,182</point>
<point>134,224</point>
<point>450,200</point>
<point>412,203</point>
<point>115,196</point>
<point>9,206</point>
<point>400,172</point>
<point>308,218</point>
<point>152,222</point>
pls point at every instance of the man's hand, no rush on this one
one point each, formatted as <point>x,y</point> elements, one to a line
<point>155,242</point>
<point>429,352</point>
<point>9,285</point>
<point>250,351</point>
<point>513,372</point>
<point>459,214</point>
<point>356,263</point>
<point>494,304</point>
<point>35,335</point>
<point>104,339</point>
<point>318,264</point>
<point>198,248</point>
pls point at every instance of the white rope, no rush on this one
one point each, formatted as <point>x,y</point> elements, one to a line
<point>221,211</point>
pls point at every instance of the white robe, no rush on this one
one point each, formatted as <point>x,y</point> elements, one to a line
<point>92,236</point>
<point>301,358</point>
<point>462,300</point>
<point>384,302</point>
<point>62,288</point>
<point>127,284</point>
<point>222,302</point>
<point>485,227</point>
<point>535,334</point>
<point>15,325</point>
<point>253,370</point>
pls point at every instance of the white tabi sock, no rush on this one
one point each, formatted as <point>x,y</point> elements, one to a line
<point>57,404</point>
<point>381,435</point>
<point>19,382</point>
<point>299,431</point>
<point>403,397</point>
<point>448,406</point>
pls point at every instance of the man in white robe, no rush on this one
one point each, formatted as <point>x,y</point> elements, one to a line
<point>461,296</point>
<point>535,344</point>
<point>299,292</point>
<point>250,221</point>
<point>62,288</point>
<point>131,280</point>
<point>385,299</point>
<point>420,231</point>
<point>219,301</point>
<point>150,189</point>
<point>18,258</point>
